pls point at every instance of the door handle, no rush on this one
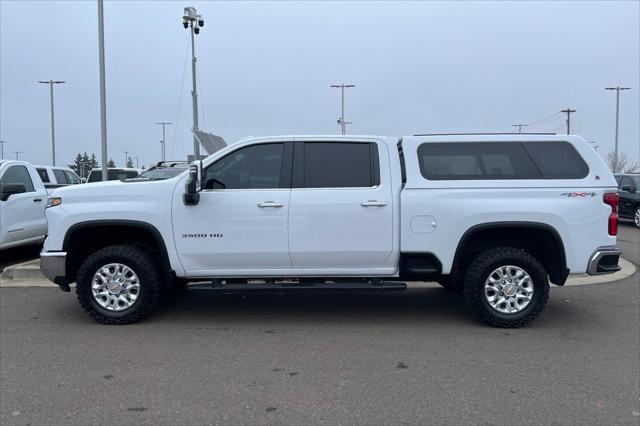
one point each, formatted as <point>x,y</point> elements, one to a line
<point>373,203</point>
<point>37,200</point>
<point>264,204</point>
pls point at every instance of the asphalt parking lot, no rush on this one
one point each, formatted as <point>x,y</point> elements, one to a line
<point>415,357</point>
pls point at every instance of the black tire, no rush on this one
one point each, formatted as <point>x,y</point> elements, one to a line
<point>140,261</point>
<point>636,213</point>
<point>480,269</point>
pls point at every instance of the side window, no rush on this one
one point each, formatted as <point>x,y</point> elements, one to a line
<point>558,160</point>
<point>475,160</point>
<point>627,181</point>
<point>72,178</point>
<point>340,165</point>
<point>619,180</point>
<point>44,176</point>
<point>18,175</point>
<point>61,178</point>
<point>251,167</point>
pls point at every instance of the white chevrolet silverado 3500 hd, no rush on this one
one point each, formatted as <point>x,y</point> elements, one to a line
<point>495,217</point>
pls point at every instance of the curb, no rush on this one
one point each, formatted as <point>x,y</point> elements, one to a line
<point>27,274</point>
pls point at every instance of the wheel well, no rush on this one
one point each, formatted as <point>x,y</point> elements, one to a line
<point>541,241</point>
<point>86,238</point>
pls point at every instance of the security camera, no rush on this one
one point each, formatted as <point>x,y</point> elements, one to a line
<point>201,22</point>
<point>185,23</point>
<point>196,30</point>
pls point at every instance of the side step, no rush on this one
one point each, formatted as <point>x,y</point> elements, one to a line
<point>296,287</point>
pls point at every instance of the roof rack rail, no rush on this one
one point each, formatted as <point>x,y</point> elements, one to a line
<point>482,134</point>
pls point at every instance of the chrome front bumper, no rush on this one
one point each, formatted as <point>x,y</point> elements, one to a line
<point>53,266</point>
<point>604,261</point>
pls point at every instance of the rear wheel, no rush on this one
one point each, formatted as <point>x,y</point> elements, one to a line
<point>506,287</point>
<point>636,217</point>
<point>119,284</point>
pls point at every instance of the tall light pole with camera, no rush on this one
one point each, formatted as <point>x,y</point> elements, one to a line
<point>194,22</point>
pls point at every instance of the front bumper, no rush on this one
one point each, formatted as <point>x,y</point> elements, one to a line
<point>53,266</point>
<point>604,261</point>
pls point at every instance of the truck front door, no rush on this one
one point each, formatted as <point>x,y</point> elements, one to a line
<point>239,227</point>
<point>22,215</point>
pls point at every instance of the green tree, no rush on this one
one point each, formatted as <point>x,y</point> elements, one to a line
<point>129,162</point>
<point>111,163</point>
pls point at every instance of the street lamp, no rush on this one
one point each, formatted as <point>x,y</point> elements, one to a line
<point>617,89</point>
<point>17,153</point>
<point>163,123</point>
<point>2,149</point>
<point>192,20</point>
<point>341,122</point>
<point>53,133</point>
<point>126,158</point>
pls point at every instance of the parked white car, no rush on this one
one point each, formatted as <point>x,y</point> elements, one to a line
<point>55,177</point>
<point>495,217</point>
<point>23,198</point>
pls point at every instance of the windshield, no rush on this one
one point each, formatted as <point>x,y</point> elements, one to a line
<point>96,175</point>
<point>162,173</point>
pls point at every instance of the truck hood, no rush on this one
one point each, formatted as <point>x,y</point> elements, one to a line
<point>113,188</point>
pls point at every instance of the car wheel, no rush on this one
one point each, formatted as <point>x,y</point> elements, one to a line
<point>636,217</point>
<point>506,287</point>
<point>119,284</point>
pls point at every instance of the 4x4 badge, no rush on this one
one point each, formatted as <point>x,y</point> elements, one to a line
<point>578,194</point>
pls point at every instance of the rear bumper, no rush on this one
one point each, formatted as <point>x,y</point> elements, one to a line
<point>53,266</point>
<point>604,261</point>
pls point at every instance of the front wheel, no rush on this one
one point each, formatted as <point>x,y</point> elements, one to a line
<point>636,217</point>
<point>118,284</point>
<point>506,287</point>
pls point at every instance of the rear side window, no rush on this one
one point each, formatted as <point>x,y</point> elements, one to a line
<point>339,165</point>
<point>476,160</point>
<point>44,176</point>
<point>61,178</point>
<point>72,178</point>
<point>500,161</point>
<point>558,160</point>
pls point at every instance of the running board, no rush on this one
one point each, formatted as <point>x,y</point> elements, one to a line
<point>295,287</point>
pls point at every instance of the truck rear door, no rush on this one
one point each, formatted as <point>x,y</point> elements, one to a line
<point>341,213</point>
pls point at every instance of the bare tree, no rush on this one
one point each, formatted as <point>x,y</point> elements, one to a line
<point>620,163</point>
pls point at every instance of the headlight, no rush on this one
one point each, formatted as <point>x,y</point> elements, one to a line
<point>54,201</point>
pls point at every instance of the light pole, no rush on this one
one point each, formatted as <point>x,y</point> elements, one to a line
<point>103,100</point>
<point>137,163</point>
<point>192,20</point>
<point>53,132</point>
<point>2,149</point>
<point>126,158</point>
<point>568,111</point>
<point>617,89</point>
<point>163,123</point>
<point>17,153</point>
<point>341,122</point>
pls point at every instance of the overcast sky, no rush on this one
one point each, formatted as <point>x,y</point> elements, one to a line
<point>265,68</point>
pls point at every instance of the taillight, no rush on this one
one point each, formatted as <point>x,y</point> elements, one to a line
<point>612,199</point>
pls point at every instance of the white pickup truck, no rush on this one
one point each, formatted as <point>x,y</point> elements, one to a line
<point>22,203</point>
<point>495,217</point>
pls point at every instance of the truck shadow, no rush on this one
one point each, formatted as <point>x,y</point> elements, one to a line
<point>327,308</point>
